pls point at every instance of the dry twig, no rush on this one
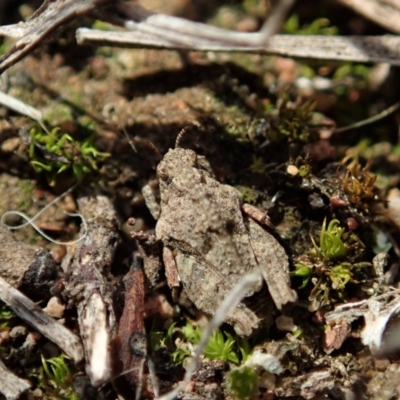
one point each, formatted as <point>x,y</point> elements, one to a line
<point>394,107</point>
<point>49,17</point>
<point>55,14</point>
<point>32,314</point>
<point>20,107</point>
<point>90,285</point>
<point>132,340</point>
<point>11,386</point>
<point>371,49</point>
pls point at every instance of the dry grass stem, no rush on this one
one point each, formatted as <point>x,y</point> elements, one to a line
<point>370,49</point>
<point>230,302</point>
<point>32,314</point>
<point>20,107</point>
<point>11,386</point>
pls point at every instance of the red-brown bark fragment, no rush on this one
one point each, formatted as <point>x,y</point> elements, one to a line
<point>132,335</point>
<point>335,334</point>
<point>171,271</point>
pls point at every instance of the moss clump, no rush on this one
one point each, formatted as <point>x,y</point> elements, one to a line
<point>359,184</point>
<point>55,153</point>
<point>329,266</point>
<point>242,382</point>
<point>5,316</point>
<point>26,189</point>
<point>320,26</point>
<point>292,123</point>
<point>56,378</point>
<point>180,341</point>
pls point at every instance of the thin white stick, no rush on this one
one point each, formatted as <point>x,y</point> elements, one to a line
<point>11,385</point>
<point>57,13</point>
<point>32,314</point>
<point>275,20</point>
<point>157,26</point>
<point>181,31</point>
<point>20,107</point>
<point>230,302</point>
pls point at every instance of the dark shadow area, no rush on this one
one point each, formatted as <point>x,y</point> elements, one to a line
<point>64,43</point>
<point>202,10</point>
<point>9,10</point>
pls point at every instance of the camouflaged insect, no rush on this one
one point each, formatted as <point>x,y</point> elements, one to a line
<point>211,239</point>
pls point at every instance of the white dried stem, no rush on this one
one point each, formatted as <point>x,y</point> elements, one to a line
<point>236,295</point>
<point>90,284</point>
<point>394,107</point>
<point>370,49</point>
<point>377,312</point>
<point>11,386</point>
<point>31,221</point>
<point>275,20</point>
<point>181,31</point>
<point>354,310</point>
<point>55,14</point>
<point>376,320</point>
<point>32,314</point>
<point>49,17</point>
<point>20,107</point>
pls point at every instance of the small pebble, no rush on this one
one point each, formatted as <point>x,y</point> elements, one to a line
<point>58,252</point>
<point>55,308</point>
<point>10,145</point>
<point>352,223</point>
<point>285,324</point>
<point>18,333</point>
<point>292,170</point>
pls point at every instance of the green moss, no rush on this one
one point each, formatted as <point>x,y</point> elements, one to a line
<point>5,315</point>
<point>221,345</point>
<point>290,122</point>
<point>258,165</point>
<point>56,378</point>
<point>3,49</point>
<point>320,26</point>
<point>360,74</point>
<point>26,189</point>
<point>256,8</point>
<point>57,153</point>
<point>103,26</point>
<point>329,266</point>
<point>5,45</point>
<point>242,382</point>
<point>249,195</point>
<point>331,246</point>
